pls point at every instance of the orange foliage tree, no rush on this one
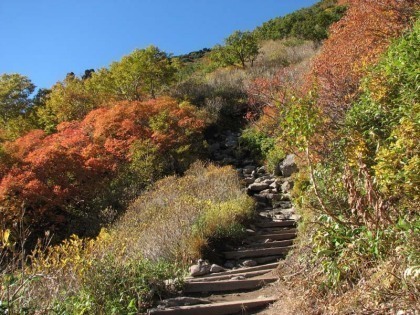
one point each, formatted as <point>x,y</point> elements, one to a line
<point>355,42</point>
<point>52,176</point>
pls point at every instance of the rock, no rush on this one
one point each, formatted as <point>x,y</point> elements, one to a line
<point>229,264</point>
<point>286,186</point>
<point>200,269</point>
<point>258,186</point>
<point>248,169</point>
<point>268,182</point>
<point>249,263</point>
<point>216,268</point>
<point>249,180</point>
<point>295,217</point>
<point>288,166</point>
<point>182,301</point>
<point>261,170</point>
<point>261,199</point>
<point>282,204</point>
<point>286,197</point>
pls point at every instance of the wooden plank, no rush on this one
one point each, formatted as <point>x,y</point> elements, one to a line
<point>259,252</point>
<point>237,271</point>
<point>274,237</point>
<point>226,285</point>
<point>285,223</point>
<point>222,308</point>
<point>270,244</point>
<point>249,274</point>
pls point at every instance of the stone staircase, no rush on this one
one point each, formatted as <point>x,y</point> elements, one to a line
<point>242,285</point>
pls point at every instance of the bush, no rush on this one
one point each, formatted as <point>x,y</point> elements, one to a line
<point>175,220</point>
<point>256,143</point>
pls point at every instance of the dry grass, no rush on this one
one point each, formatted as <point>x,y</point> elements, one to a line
<point>174,220</point>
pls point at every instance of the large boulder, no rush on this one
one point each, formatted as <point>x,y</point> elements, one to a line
<point>288,166</point>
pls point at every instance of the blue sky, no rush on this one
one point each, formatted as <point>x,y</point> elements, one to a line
<point>45,39</point>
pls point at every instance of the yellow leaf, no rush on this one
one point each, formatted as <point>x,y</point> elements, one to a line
<point>6,235</point>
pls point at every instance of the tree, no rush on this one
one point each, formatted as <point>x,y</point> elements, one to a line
<point>139,75</point>
<point>68,100</point>
<point>90,164</point>
<point>240,47</point>
<point>15,90</point>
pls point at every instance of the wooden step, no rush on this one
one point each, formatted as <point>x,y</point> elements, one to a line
<point>274,230</point>
<point>259,252</point>
<point>270,244</point>
<point>285,223</point>
<point>249,274</point>
<point>222,308</point>
<point>267,259</point>
<point>238,271</point>
<point>227,285</point>
<point>274,237</point>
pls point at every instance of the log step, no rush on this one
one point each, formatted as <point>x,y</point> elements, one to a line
<point>268,259</point>
<point>226,285</point>
<point>249,274</point>
<point>222,308</point>
<point>274,237</point>
<point>270,244</point>
<point>260,252</point>
<point>238,271</point>
<point>285,223</point>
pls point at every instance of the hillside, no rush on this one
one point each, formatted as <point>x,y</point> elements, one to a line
<point>104,195</point>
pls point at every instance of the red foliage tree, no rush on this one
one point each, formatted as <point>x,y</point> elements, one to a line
<point>51,174</point>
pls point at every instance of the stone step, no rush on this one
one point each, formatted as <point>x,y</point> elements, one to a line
<point>222,308</point>
<point>272,224</point>
<point>274,237</point>
<point>249,274</point>
<point>226,285</point>
<point>259,252</point>
<point>238,271</point>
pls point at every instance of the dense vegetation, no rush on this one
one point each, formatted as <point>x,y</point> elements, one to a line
<point>353,120</point>
<point>308,23</point>
<point>75,157</point>
<point>124,268</point>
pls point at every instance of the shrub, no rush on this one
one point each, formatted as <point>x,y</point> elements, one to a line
<point>161,222</point>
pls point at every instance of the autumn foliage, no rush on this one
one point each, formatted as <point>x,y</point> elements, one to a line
<point>355,43</point>
<point>53,176</point>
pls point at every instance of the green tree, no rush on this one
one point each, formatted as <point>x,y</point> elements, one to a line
<point>239,48</point>
<point>68,100</point>
<point>139,75</point>
<point>15,91</point>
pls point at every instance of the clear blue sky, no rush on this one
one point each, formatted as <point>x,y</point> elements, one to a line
<point>45,39</point>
